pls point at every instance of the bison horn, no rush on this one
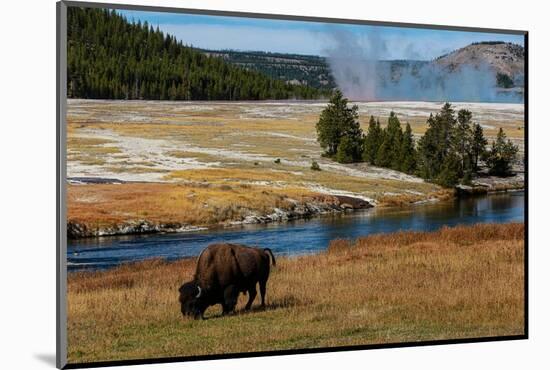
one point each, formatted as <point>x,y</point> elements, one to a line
<point>199,293</point>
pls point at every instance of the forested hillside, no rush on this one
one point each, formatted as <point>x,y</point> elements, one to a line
<point>297,69</point>
<point>112,58</point>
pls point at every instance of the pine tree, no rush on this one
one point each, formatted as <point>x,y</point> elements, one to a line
<point>462,143</point>
<point>450,171</point>
<point>427,145</point>
<point>479,145</point>
<point>384,154</point>
<point>347,150</point>
<point>436,145</point>
<point>447,125</point>
<point>407,153</point>
<point>373,140</point>
<point>389,152</point>
<point>354,137</point>
<point>503,152</point>
<point>337,121</point>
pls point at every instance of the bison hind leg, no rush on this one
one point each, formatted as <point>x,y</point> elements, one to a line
<point>251,297</point>
<point>262,291</point>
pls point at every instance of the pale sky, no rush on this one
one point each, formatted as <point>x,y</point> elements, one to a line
<point>314,38</point>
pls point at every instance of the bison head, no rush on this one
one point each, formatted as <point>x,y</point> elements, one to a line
<point>190,299</point>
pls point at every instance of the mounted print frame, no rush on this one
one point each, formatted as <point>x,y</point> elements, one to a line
<point>238,185</point>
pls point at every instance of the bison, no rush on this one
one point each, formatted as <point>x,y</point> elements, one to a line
<point>223,271</point>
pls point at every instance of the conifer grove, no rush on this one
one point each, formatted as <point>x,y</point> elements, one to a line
<point>449,152</point>
<point>109,57</point>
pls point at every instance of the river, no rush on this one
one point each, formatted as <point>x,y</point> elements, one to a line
<point>297,237</point>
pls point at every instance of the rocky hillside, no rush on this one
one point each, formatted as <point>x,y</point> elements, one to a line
<point>506,59</point>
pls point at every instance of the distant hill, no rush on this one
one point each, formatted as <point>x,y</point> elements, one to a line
<point>296,69</point>
<point>506,59</point>
<point>109,57</point>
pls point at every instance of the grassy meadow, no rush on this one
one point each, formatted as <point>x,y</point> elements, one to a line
<point>461,282</point>
<point>190,161</point>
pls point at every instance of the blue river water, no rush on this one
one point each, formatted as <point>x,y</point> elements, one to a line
<point>297,237</point>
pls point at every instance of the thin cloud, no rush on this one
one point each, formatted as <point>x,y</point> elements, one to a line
<point>215,32</point>
<point>245,38</point>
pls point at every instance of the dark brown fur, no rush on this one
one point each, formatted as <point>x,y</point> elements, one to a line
<point>223,271</point>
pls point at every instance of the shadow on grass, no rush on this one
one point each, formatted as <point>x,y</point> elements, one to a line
<point>285,302</point>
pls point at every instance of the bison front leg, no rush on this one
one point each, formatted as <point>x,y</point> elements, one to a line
<point>251,297</point>
<point>230,295</point>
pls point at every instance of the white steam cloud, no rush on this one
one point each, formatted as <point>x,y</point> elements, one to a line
<point>358,67</point>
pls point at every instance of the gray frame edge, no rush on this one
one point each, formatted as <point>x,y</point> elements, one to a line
<point>61,186</point>
<point>226,13</point>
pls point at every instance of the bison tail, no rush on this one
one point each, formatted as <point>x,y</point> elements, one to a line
<point>271,254</point>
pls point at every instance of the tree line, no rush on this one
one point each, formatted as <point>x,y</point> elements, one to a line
<point>449,152</point>
<point>310,70</point>
<point>109,57</point>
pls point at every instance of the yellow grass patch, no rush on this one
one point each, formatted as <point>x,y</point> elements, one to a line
<point>194,203</point>
<point>304,177</point>
<point>91,146</point>
<point>462,282</point>
<point>405,199</point>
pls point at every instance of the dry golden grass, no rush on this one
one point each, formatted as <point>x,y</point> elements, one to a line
<point>90,146</point>
<point>219,196</point>
<point>462,282</point>
<point>88,160</point>
<point>303,177</point>
<point>198,204</point>
<point>401,200</point>
<point>231,175</point>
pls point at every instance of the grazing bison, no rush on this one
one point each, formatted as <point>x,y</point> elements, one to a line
<point>223,271</point>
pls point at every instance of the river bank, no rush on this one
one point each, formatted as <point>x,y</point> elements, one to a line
<point>100,219</point>
<point>314,206</point>
<point>145,208</point>
<point>460,282</point>
<point>492,184</point>
<point>297,237</point>
<point>112,209</point>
